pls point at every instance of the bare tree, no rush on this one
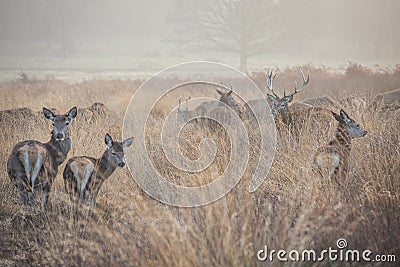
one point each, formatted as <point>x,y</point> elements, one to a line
<point>245,27</point>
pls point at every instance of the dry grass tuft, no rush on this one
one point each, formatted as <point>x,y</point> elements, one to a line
<point>291,210</point>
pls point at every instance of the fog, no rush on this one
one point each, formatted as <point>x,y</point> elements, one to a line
<point>146,36</point>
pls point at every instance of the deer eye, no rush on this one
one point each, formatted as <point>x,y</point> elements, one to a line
<point>113,153</point>
<point>66,123</point>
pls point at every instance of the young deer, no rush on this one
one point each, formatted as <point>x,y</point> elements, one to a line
<point>332,160</point>
<point>33,166</point>
<point>84,176</point>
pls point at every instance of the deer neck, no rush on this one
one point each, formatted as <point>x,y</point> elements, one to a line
<point>285,116</point>
<point>59,148</point>
<point>342,138</point>
<point>105,167</point>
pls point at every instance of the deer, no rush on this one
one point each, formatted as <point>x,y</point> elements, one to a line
<point>217,109</point>
<point>33,166</point>
<point>332,160</point>
<point>293,119</point>
<point>280,105</point>
<point>386,101</point>
<point>183,110</point>
<point>220,111</point>
<point>285,118</point>
<point>84,176</point>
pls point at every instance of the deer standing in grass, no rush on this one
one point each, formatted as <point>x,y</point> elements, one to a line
<point>33,166</point>
<point>292,120</point>
<point>332,160</point>
<point>287,119</point>
<point>220,111</point>
<point>84,176</point>
<point>280,105</point>
<point>386,101</point>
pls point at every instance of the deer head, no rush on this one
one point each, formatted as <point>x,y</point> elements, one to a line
<point>352,128</point>
<point>228,100</point>
<point>281,103</point>
<point>115,150</point>
<point>60,123</point>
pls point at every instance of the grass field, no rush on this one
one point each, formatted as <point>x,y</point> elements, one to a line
<point>291,209</point>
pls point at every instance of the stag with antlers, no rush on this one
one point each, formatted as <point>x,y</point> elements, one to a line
<point>285,118</point>
<point>279,105</point>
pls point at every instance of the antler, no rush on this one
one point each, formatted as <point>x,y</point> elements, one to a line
<point>182,99</point>
<point>186,102</point>
<point>226,89</point>
<point>305,82</point>
<point>269,83</point>
<point>179,102</point>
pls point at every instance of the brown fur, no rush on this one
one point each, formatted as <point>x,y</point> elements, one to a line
<point>84,176</point>
<point>332,160</point>
<point>32,166</point>
<point>387,101</point>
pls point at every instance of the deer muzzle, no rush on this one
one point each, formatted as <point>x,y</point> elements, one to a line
<point>59,136</point>
<point>121,164</point>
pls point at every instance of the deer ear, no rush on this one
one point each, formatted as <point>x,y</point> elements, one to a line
<point>271,97</point>
<point>72,113</point>
<point>336,116</point>
<point>48,114</point>
<point>344,116</point>
<point>219,92</point>
<point>128,142</point>
<point>108,140</point>
<point>289,99</point>
<point>229,93</point>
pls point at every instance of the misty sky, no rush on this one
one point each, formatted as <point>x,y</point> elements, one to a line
<point>41,31</point>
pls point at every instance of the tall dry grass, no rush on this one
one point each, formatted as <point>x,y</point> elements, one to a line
<point>291,209</point>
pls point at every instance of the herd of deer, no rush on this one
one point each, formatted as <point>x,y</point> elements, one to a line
<point>33,166</point>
